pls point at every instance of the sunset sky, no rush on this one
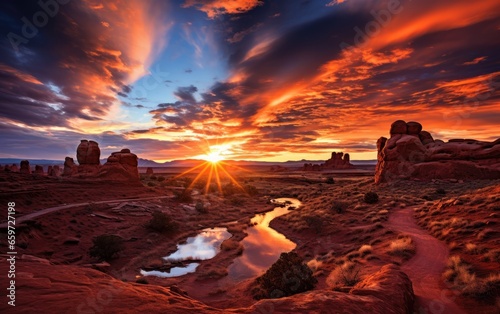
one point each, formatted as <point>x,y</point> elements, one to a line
<point>254,80</point>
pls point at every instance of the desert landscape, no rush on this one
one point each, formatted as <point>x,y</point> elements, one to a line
<point>410,244</point>
<point>250,156</point>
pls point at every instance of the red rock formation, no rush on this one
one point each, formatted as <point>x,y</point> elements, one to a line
<point>25,166</point>
<point>70,168</point>
<point>39,169</point>
<point>72,289</point>
<point>416,155</point>
<point>88,153</point>
<point>54,171</point>
<point>120,166</point>
<point>337,161</point>
<point>149,171</point>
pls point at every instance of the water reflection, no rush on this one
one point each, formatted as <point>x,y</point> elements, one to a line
<point>201,247</point>
<point>174,272</point>
<point>263,245</point>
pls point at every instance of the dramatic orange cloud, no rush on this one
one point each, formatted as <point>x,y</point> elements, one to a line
<point>213,8</point>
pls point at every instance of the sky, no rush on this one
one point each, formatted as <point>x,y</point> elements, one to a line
<point>245,79</point>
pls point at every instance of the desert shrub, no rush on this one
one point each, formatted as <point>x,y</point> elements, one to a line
<point>142,281</point>
<point>151,184</point>
<point>403,246</point>
<point>440,191</point>
<point>200,207</point>
<point>330,180</point>
<point>153,177</point>
<point>287,276</point>
<point>161,179</point>
<point>106,246</point>
<point>347,274</point>
<point>161,222</point>
<point>339,207</point>
<point>370,197</point>
<point>459,274</point>
<point>183,196</point>
<point>230,189</point>
<point>314,222</point>
<point>251,190</point>
<point>236,201</point>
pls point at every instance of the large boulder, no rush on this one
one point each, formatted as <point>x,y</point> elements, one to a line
<point>120,166</point>
<point>416,155</point>
<point>88,153</point>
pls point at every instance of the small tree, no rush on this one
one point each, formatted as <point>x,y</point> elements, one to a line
<point>106,246</point>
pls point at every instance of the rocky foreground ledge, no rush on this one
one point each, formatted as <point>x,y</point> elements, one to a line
<point>411,153</point>
<point>45,288</point>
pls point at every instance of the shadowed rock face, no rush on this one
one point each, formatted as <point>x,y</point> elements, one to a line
<point>72,289</point>
<point>411,153</point>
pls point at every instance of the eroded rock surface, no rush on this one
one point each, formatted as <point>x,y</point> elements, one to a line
<point>411,153</point>
<point>337,161</point>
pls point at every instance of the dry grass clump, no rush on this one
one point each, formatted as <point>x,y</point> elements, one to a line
<point>460,275</point>
<point>365,249</point>
<point>345,275</point>
<point>402,246</point>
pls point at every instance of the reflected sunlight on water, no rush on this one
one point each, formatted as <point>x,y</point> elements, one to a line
<point>263,245</point>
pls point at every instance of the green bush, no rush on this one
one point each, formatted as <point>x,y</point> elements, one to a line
<point>161,222</point>
<point>371,197</point>
<point>106,246</point>
<point>288,276</point>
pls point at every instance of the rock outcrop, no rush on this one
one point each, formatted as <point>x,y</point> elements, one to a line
<point>25,166</point>
<point>70,168</point>
<point>54,171</point>
<point>39,169</point>
<point>120,166</point>
<point>337,161</point>
<point>88,153</point>
<point>73,289</point>
<point>411,153</point>
<point>149,171</point>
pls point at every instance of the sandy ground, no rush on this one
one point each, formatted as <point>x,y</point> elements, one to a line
<point>74,212</point>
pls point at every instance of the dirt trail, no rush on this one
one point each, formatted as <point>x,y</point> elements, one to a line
<point>426,267</point>
<point>57,208</point>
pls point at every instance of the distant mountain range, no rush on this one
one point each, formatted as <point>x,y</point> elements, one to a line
<point>189,162</point>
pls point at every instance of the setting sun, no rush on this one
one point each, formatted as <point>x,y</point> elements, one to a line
<point>214,157</point>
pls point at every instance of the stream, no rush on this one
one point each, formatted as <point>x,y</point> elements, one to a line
<point>261,247</point>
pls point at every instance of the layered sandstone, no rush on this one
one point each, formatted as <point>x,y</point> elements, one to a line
<point>120,166</point>
<point>411,153</point>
